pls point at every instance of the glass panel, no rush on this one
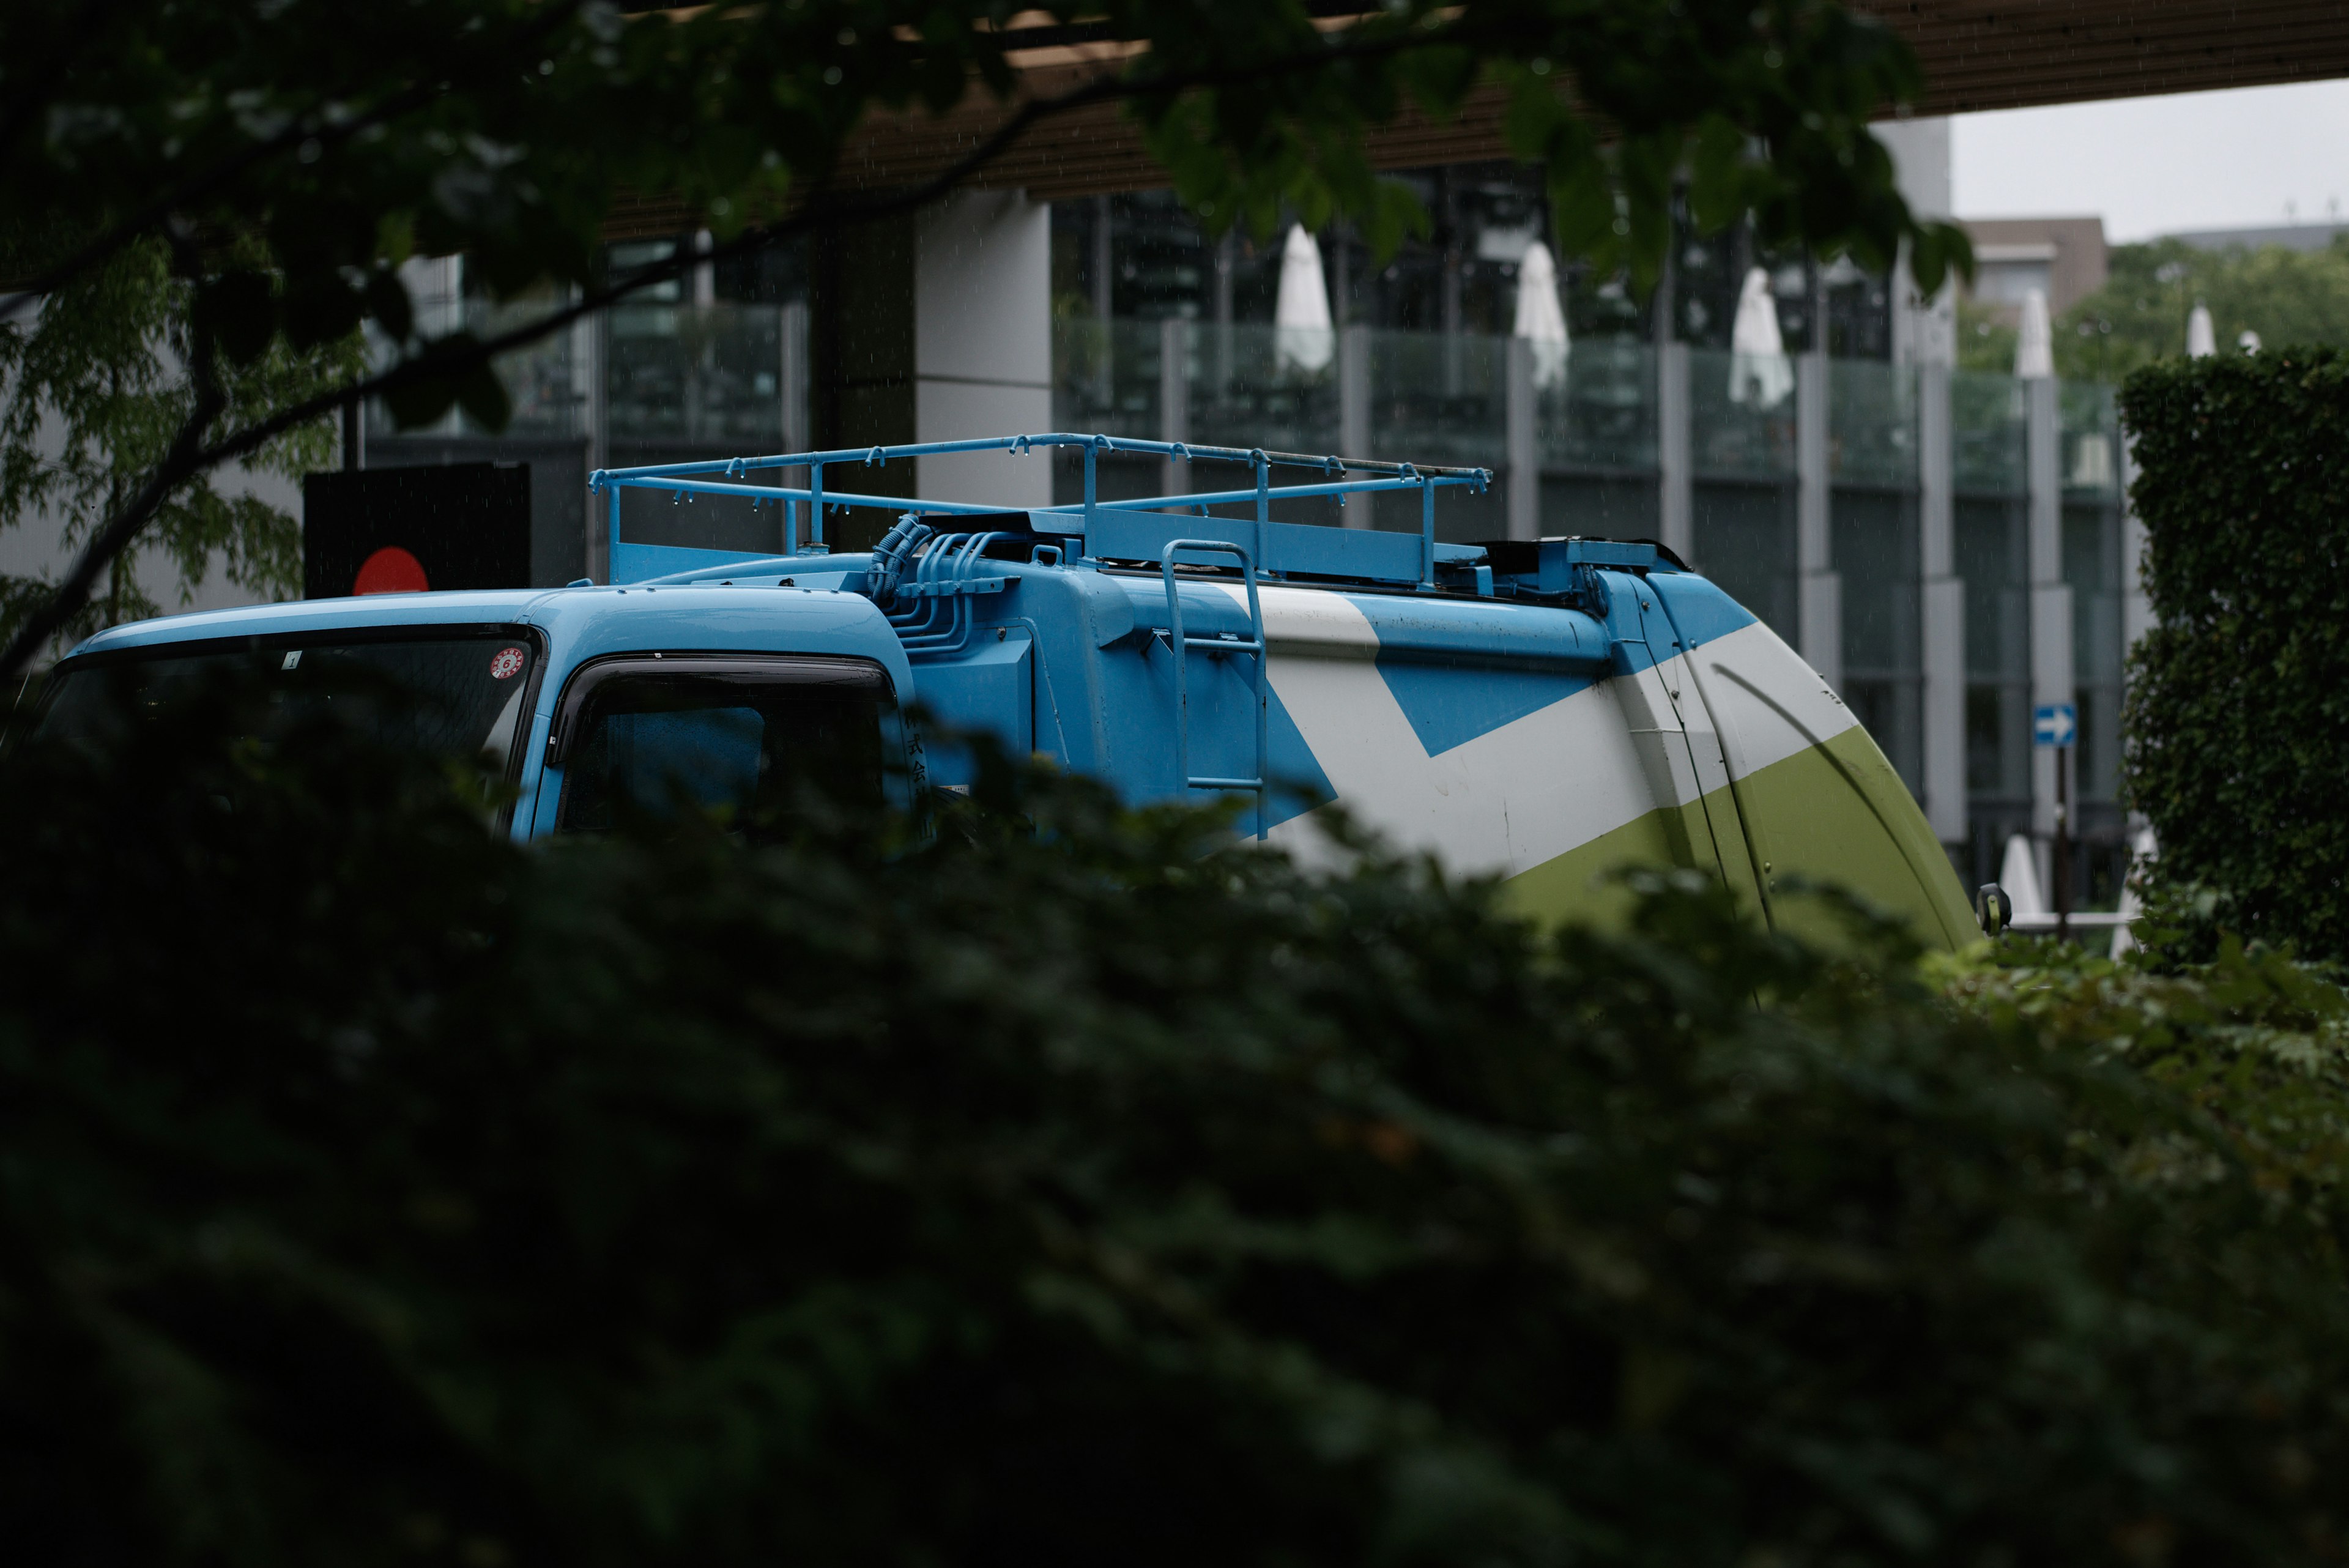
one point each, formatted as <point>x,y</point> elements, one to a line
<point>1872,423</point>
<point>1439,400</point>
<point>1876,551</point>
<point>1246,391</point>
<point>1741,413</point>
<point>2091,425</point>
<point>1603,414</point>
<point>703,373</point>
<point>2091,565</point>
<point>1106,379</point>
<point>1986,429</point>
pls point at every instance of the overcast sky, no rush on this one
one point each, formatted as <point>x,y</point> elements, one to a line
<point>2154,165</point>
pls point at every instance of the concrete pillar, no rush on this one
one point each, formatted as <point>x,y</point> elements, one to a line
<point>1523,444</point>
<point>2050,597</point>
<point>1675,453</point>
<point>983,342</point>
<point>791,377</point>
<point>1675,447</point>
<point>1174,401</point>
<point>1354,412</point>
<point>1943,634</point>
<point>1819,614</point>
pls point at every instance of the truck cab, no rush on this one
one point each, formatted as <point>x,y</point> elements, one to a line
<point>1544,711</point>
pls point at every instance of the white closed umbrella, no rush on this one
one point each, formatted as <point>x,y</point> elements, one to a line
<point>2202,341</point>
<point>1759,372</point>
<point>2018,873</point>
<point>1540,321</point>
<point>1303,340</point>
<point>2035,345</point>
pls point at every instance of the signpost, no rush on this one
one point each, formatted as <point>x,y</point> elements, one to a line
<point>2057,724</point>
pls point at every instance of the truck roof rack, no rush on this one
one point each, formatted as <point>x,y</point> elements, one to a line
<point>1131,529</point>
<point>1137,531</point>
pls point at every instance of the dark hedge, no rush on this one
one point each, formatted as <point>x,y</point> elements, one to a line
<point>1066,1189</point>
<point>2238,710</point>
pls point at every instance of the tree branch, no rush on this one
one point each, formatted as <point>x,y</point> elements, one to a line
<point>186,459</point>
<point>202,186</point>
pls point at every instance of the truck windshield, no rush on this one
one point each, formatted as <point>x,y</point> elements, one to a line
<point>448,695</point>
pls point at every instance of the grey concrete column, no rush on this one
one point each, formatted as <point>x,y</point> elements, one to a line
<point>983,343</point>
<point>2051,678</point>
<point>1354,415</point>
<point>1675,450</point>
<point>1174,401</point>
<point>1523,444</point>
<point>1819,589</point>
<point>1943,634</point>
<point>791,377</point>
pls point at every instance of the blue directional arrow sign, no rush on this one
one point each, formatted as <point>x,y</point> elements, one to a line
<point>2054,725</point>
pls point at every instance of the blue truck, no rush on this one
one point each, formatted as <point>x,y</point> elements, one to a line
<point>1544,711</point>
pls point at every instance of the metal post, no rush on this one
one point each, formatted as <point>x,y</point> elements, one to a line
<point>1818,586</point>
<point>1522,443</point>
<point>1174,397</point>
<point>1943,635</point>
<point>612,531</point>
<point>1263,504</point>
<point>815,503</point>
<point>354,435</point>
<point>2063,842</point>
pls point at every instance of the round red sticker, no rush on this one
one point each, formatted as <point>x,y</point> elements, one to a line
<point>507,664</point>
<point>390,570</point>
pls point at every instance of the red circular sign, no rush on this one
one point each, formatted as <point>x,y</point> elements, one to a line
<point>507,664</point>
<point>390,570</point>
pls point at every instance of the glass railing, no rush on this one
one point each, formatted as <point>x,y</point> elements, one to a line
<point>711,373</point>
<point>1872,423</point>
<point>1438,398</point>
<point>544,383</point>
<point>1986,432</point>
<point>1106,379</point>
<point>1251,387</point>
<point>1741,414</point>
<point>1602,413</point>
<point>2091,433</point>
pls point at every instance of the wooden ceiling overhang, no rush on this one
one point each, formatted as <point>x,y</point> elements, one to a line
<point>1977,55</point>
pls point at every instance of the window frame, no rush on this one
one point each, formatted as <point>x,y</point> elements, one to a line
<point>579,689</point>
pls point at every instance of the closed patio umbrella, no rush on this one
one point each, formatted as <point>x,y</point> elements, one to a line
<point>1758,371</point>
<point>1303,341</point>
<point>2035,345</point>
<point>1540,321</point>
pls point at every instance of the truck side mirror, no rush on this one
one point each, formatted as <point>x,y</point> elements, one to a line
<point>1993,908</point>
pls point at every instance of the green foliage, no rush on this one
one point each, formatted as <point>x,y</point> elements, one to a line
<point>2238,706</point>
<point>2286,297</point>
<point>96,390</point>
<point>341,144</point>
<point>1066,1187</point>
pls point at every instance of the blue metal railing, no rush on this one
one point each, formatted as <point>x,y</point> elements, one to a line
<point>685,479</point>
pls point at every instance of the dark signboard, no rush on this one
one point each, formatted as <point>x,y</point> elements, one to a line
<point>400,530</point>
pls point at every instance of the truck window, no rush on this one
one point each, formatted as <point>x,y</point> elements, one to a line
<point>741,739</point>
<point>459,691</point>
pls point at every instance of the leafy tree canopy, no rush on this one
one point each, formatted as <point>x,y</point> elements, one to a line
<point>290,154</point>
<point>1064,1188</point>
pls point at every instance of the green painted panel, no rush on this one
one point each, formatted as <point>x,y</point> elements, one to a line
<point>1834,812</point>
